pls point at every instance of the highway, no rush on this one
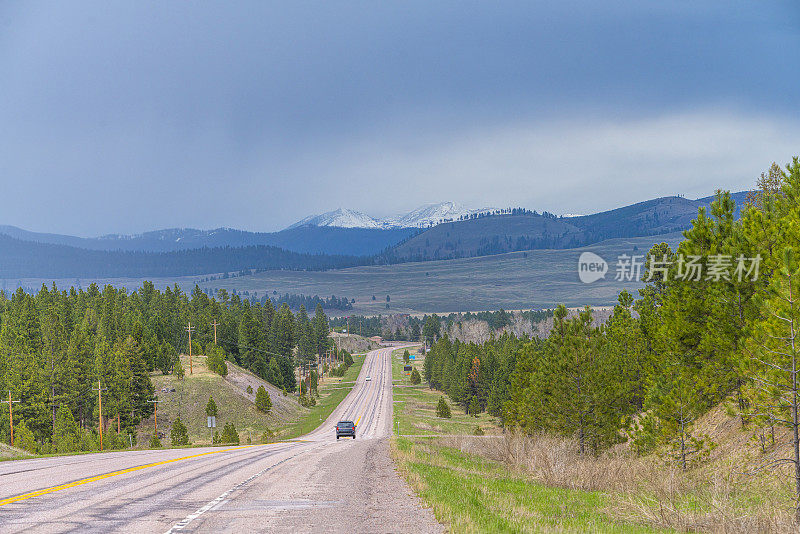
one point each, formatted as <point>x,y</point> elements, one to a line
<point>313,484</point>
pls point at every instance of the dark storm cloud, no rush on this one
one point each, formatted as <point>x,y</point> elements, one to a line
<point>132,116</point>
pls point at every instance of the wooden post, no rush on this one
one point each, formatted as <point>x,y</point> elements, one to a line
<point>11,416</point>
<point>215,324</point>
<point>100,391</point>
<point>190,330</point>
<point>155,405</point>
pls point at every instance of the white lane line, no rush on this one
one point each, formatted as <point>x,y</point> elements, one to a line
<point>182,524</point>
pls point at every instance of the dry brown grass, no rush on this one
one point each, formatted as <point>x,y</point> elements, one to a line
<point>716,497</point>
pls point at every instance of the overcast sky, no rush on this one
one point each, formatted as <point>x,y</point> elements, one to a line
<point>129,116</point>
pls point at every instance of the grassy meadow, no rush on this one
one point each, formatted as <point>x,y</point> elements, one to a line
<point>518,280</point>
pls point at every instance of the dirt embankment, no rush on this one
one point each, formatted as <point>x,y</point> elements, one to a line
<point>354,344</point>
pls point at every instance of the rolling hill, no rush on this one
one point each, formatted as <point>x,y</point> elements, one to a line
<point>306,239</point>
<point>187,252</point>
<point>25,259</point>
<point>498,234</point>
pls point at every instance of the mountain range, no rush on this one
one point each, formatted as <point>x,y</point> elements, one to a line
<point>320,244</point>
<point>422,217</point>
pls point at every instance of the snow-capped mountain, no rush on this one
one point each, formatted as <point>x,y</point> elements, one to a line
<point>341,218</point>
<point>422,217</point>
<point>433,214</point>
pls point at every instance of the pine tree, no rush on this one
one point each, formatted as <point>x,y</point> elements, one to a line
<point>415,378</point>
<point>443,409</point>
<point>211,407</point>
<point>179,436</point>
<point>775,353</point>
<point>229,434</point>
<point>66,436</point>
<point>320,330</point>
<point>263,402</point>
<point>177,368</point>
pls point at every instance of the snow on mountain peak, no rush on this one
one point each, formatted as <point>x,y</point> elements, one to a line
<point>342,218</point>
<point>422,217</point>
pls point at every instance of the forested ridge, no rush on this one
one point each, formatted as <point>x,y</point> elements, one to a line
<point>56,345</point>
<point>26,259</point>
<point>663,359</point>
<point>232,251</point>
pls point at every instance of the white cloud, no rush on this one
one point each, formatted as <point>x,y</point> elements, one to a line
<point>577,165</point>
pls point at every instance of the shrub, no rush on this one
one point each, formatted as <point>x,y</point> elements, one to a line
<point>347,359</point>
<point>215,360</point>
<point>179,435</point>
<point>406,357</point>
<point>268,436</point>
<point>89,441</point>
<point>263,402</point>
<point>443,409</point>
<point>307,400</point>
<point>249,389</point>
<point>474,407</point>
<point>415,378</point>
<point>155,443</point>
<point>229,434</point>
<point>478,430</point>
<point>177,369</point>
<point>66,435</point>
<point>112,440</point>
<point>24,439</point>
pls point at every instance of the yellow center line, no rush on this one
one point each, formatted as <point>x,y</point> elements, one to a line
<point>45,491</point>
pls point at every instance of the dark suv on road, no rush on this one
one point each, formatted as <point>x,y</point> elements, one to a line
<point>345,428</point>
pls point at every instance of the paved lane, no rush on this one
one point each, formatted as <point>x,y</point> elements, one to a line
<point>314,484</point>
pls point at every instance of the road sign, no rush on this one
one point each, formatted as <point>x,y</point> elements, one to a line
<point>412,357</point>
<point>212,421</point>
<point>407,369</point>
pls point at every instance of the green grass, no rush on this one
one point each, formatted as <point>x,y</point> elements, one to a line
<point>332,391</point>
<point>189,402</point>
<point>415,406</point>
<point>475,495</point>
<point>518,280</point>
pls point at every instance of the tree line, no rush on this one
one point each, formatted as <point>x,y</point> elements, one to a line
<point>727,336</point>
<point>28,259</point>
<point>57,347</point>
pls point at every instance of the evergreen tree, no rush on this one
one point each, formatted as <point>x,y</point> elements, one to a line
<point>320,330</point>
<point>415,378</point>
<point>229,434</point>
<point>179,436</point>
<point>211,407</point>
<point>443,409</point>
<point>66,436</point>
<point>263,402</point>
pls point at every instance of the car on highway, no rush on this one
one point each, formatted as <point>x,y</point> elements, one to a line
<point>369,378</point>
<point>345,428</point>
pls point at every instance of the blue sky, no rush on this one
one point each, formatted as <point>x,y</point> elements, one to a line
<point>126,117</point>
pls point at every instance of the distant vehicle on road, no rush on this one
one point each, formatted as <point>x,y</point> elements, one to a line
<point>345,428</point>
<point>368,379</point>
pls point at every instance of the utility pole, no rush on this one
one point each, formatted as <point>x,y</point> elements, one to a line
<point>155,402</point>
<point>11,416</point>
<point>190,329</point>
<point>100,391</point>
<point>215,324</point>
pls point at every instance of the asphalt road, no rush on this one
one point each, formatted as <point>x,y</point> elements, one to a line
<point>314,484</point>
